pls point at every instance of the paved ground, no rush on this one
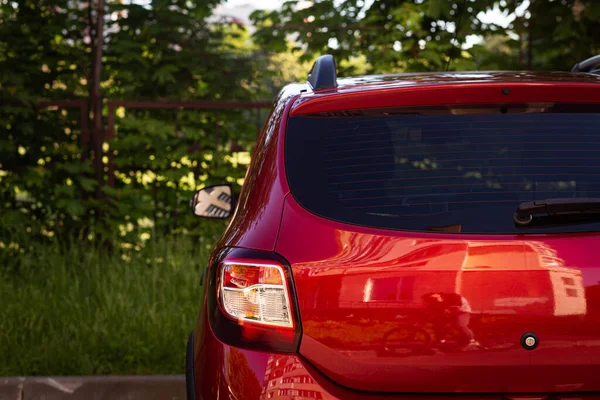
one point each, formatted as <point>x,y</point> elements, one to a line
<point>153,387</point>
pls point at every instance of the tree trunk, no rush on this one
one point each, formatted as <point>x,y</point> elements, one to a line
<point>530,38</point>
<point>96,95</point>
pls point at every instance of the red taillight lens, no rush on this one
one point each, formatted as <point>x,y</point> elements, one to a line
<point>252,302</point>
<point>255,292</point>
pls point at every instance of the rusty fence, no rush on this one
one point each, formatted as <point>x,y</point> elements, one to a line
<point>94,142</point>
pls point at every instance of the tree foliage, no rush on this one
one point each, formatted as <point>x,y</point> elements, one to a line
<point>53,183</point>
<point>431,35</point>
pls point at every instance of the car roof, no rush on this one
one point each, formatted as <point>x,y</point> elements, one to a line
<point>370,82</point>
<point>381,91</point>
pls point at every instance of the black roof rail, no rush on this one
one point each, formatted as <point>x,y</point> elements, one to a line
<point>588,65</point>
<point>322,74</point>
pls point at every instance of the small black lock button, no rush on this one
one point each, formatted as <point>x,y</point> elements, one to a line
<point>529,340</point>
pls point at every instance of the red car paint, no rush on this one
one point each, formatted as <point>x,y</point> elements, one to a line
<point>514,285</point>
<point>546,284</point>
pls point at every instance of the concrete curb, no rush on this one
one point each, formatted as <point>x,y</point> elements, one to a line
<point>151,387</point>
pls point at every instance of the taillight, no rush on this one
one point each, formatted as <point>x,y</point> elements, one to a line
<point>252,302</point>
<point>255,292</point>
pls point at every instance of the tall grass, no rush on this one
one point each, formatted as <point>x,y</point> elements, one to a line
<point>80,311</point>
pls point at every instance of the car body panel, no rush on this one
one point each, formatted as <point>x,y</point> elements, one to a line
<point>370,82</point>
<point>357,284</point>
<point>256,220</point>
<point>460,93</point>
<point>226,372</point>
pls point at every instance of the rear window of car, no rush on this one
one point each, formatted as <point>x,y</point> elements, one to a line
<point>455,169</point>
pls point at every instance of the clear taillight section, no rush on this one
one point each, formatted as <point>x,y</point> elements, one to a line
<point>255,293</point>
<point>251,301</point>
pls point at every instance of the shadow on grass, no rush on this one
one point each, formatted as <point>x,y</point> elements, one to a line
<point>78,311</point>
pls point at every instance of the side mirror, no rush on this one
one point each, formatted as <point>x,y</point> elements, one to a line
<point>213,202</point>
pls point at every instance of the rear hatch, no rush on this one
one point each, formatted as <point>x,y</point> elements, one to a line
<point>410,272</point>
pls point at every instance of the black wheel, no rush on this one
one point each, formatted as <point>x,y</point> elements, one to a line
<point>405,341</point>
<point>189,369</point>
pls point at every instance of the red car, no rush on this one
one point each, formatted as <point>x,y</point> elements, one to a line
<point>412,236</point>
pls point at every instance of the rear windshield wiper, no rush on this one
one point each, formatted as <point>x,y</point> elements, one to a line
<point>555,207</point>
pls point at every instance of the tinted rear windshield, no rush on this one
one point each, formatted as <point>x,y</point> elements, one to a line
<point>447,169</point>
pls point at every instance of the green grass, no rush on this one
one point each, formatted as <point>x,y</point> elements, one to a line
<point>78,311</point>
